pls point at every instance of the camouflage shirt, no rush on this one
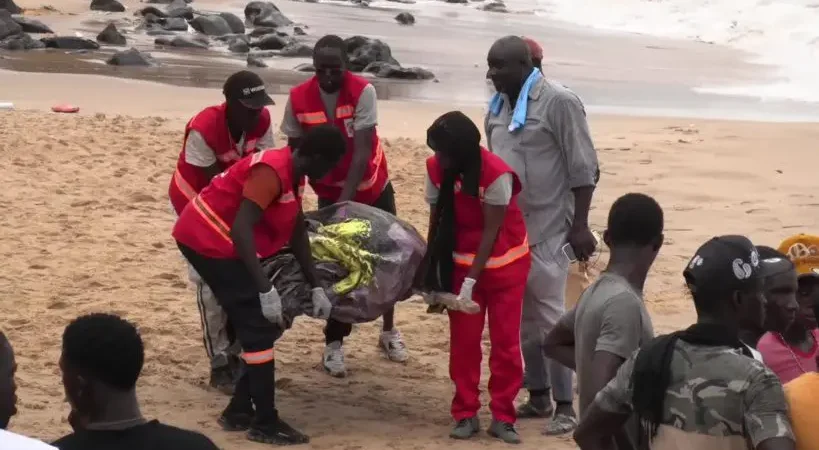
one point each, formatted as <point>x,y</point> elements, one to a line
<point>717,399</point>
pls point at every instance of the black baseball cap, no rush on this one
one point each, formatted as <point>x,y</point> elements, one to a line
<point>772,262</point>
<point>723,264</point>
<point>248,88</point>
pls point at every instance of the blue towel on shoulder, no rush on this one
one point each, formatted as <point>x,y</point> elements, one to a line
<point>519,113</point>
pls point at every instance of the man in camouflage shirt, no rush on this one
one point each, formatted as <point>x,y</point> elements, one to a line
<point>699,388</point>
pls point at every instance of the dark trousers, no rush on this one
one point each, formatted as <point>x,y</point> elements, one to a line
<point>335,330</point>
<point>235,291</point>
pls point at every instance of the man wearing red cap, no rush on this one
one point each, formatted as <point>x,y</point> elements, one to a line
<point>544,137</point>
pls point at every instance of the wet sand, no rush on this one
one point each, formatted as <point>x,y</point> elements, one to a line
<point>613,72</point>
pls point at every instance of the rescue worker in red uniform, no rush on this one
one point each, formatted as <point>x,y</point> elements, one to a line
<point>245,214</point>
<point>478,250</point>
<point>338,97</point>
<point>215,139</point>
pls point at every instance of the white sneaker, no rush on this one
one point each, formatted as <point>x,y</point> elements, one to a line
<point>334,360</point>
<point>393,346</point>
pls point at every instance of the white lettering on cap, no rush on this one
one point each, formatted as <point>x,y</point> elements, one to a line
<point>253,90</point>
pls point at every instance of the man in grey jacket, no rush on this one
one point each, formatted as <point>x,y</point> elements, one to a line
<point>546,140</point>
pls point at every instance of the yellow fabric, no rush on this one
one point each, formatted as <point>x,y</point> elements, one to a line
<point>341,243</point>
<point>803,250</point>
<point>803,398</point>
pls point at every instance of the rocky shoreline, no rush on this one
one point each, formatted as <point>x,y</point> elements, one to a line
<point>264,33</point>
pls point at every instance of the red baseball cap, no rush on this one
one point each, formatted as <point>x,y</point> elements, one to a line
<point>534,48</point>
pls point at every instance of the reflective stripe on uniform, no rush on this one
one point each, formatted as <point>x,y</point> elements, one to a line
<point>495,262</point>
<point>312,118</point>
<point>184,187</point>
<point>344,112</point>
<point>215,222</point>
<point>259,357</point>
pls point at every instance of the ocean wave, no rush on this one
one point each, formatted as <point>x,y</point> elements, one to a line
<point>783,33</point>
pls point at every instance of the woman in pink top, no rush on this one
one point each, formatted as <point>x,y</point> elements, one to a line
<point>790,346</point>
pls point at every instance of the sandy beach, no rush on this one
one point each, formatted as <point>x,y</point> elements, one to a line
<point>86,222</point>
<point>87,228</point>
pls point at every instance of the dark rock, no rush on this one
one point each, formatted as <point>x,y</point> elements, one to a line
<point>174,24</point>
<point>20,41</point>
<point>164,2</point>
<point>305,67</point>
<point>264,53</point>
<point>228,38</point>
<point>107,5</point>
<point>405,18</point>
<point>262,31</point>
<point>265,14</point>
<point>10,6</point>
<point>70,43</point>
<point>457,1</point>
<point>151,11</point>
<point>253,61</point>
<point>363,51</point>
<point>494,7</point>
<point>388,70</point>
<point>8,26</point>
<point>211,25</point>
<point>185,13</point>
<point>111,36</point>
<point>271,42</point>
<point>299,31</point>
<point>131,57</point>
<point>148,20</point>
<point>235,23</point>
<point>181,42</point>
<point>295,49</point>
<point>238,45</point>
<point>178,8</point>
<point>32,25</point>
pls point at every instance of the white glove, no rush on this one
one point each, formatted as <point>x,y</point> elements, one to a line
<point>272,306</point>
<point>321,304</point>
<point>466,289</point>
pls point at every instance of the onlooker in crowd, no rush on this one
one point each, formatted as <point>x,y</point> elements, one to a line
<point>101,360</point>
<point>8,402</point>
<point>699,389</point>
<point>539,128</point>
<point>789,346</point>
<point>803,392</point>
<point>610,321</point>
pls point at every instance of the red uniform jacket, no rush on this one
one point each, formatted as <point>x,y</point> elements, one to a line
<point>305,99</point>
<point>211,123</point>
<point>205,223</point>
<point>511,243</point>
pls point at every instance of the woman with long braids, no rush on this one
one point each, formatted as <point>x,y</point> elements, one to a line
<point>478,251</point>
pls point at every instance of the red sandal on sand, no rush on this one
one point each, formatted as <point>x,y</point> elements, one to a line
<point>65,108</point>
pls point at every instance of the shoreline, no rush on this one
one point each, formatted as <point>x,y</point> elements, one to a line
<point>613,72</point>
<point>148,97</point>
